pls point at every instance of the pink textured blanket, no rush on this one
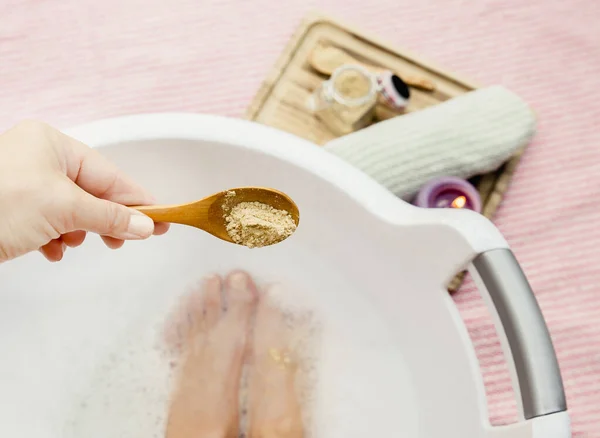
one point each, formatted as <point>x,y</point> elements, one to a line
<point>72,61</point>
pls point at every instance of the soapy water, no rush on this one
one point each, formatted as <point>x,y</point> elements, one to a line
<point>349,377</point>
<point>129,393</point>
<point>136,392</point>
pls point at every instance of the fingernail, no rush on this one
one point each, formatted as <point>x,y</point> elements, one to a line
<point>140,227</point>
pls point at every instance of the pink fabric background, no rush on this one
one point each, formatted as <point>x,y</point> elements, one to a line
<point>72,61</point>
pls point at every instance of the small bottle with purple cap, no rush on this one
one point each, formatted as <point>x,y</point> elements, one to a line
<point>393,89</point>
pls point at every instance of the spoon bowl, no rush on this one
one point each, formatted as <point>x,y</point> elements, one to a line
<point>209,214</point>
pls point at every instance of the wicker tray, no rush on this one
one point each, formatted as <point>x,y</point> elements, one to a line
<point>281,100</point>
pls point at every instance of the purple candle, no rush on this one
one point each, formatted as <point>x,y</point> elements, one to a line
<point>449,192</point>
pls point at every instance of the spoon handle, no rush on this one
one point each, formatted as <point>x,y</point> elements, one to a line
<point>179,214</point>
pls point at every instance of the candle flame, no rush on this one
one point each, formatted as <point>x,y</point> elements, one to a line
<point>459,202</point>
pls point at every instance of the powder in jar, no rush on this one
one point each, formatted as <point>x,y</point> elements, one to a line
<point>352,84</point>
<point>254,224</point>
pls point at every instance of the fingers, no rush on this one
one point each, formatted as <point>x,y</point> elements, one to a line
<point>74,238</point>
<point>107,218</point>
<point>58,188</point>
<point>161,228</point>
<point>112,243</point>
<point>54,250</point>
<point>95,174</point>
<point>114,222</point>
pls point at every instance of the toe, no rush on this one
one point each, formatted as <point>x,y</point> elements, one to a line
<point>193,323</point>
<point>269,319</point>
<point>212,301</point>
<point>183,322</point>
<point>241,296</point>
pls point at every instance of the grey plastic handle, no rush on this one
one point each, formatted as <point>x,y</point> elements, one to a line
<point>538,374</point>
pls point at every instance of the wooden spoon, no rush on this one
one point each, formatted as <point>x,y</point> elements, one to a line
<point>209,214</point>
<point>326,59</point>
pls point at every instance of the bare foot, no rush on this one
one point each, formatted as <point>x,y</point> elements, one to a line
<point>212,344</point>
<point>273,403</point>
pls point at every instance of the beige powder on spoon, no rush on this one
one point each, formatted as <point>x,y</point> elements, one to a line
<point>254,224</point>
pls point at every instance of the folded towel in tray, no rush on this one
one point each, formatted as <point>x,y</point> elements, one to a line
<point>465,136</point>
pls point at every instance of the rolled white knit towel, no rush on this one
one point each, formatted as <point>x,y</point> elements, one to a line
<point>464,136</point>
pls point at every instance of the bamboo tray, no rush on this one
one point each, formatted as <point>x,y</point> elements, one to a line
<point>281,100</point>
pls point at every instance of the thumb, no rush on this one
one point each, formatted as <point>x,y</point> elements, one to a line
<point>111,219</point>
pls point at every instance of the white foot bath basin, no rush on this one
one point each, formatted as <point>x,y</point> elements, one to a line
<point>78,337</point>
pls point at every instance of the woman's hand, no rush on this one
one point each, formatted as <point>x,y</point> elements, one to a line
<point>53,189</point>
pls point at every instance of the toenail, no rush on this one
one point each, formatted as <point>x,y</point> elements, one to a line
<point>239,280</point>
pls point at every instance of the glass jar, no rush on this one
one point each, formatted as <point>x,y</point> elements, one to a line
<point>349,86</point>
